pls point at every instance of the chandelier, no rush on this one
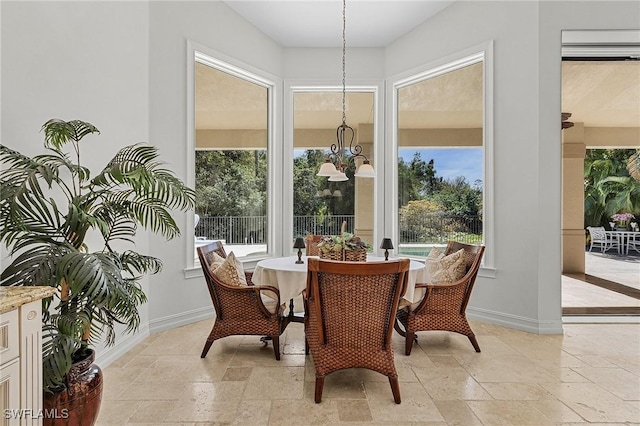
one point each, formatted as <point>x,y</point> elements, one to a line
<point>336,163</point>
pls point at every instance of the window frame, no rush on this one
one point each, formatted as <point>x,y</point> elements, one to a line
<point>202,54</point>
<point>481,53</point>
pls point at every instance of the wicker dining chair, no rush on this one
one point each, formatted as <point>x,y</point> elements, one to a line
<point>349,314</point>
<point>240,310</point>
<point>443,306</point>
<point>312,242</point>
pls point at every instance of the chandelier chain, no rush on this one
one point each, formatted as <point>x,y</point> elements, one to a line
<point>344,54</point>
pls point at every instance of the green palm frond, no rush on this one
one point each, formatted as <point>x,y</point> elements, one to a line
<point>57,355</point>
<point>58,132</point>
<point>633,165</point>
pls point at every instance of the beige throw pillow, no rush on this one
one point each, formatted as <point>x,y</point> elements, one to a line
<point>215,261</point>
<point>446,269</point>
<point>231,271</point>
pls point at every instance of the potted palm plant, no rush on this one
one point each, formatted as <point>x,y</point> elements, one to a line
<point>50,206</point>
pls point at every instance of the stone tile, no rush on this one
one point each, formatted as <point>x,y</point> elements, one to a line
<point>416,404</point>
<point>275,383</point>
<point>508,413</point>
<point>255,413</point>
<point>623,384</point>
<point>208,402</point>
<point>450,383</point>
<point>354,411</point>
<point>303,412</point>
<point>152,411</point>
<point>517,391</point>
<point>594,403</point>
<point>117,412</point>
<point>457,413</point>
<point>237,374</point>
<point>150,391</point>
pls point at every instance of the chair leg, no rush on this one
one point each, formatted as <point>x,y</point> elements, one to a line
<point>397,326</point>
<point>395,389</point>
<point>207,345</point>
<point>408,342</point>
<point>276,346</point>
<point>474,342</point>
<point>319,387</point>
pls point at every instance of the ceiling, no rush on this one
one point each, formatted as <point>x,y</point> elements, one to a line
<point>318,23</point>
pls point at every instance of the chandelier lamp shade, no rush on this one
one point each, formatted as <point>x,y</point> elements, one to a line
<point>344,150</point>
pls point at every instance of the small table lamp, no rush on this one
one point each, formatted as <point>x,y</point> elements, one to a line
<point>386,245</point>
<point>299,244</point>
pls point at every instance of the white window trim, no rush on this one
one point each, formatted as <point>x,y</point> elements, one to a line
<point>484,53</point>
<point>199,53</point>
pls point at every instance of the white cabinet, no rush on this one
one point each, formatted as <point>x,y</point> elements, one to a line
<point>9,368</point>
<point>21,355</point>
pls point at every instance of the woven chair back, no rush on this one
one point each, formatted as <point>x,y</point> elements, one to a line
<point>312,242</point>
<point>356,302</point>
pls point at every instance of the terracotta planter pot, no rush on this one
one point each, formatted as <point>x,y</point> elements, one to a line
<point>79,403</point>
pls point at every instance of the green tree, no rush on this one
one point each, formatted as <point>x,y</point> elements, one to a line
<point>231,183</point>
<point>608,187</point>
<point>417,179</point>
<point>458,197</point>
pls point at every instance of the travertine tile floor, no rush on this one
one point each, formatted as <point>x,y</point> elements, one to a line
<point>590,374</point>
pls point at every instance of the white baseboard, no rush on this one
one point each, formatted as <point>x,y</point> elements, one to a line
<point>517,322</point>
<point>178,320</point>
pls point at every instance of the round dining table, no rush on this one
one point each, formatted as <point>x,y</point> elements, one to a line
<point>290,278</point>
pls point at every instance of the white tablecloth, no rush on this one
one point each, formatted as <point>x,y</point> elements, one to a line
<point>291,278</point>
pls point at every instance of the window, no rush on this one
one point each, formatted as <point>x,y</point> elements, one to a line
<point>231,143</point>
<point>441,152</point>
<point>319,205</point>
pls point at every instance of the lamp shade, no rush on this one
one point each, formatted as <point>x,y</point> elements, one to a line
<point>326,192</point>
<point>338,177</point>
<point>365,170</point>
<point>386,244</point>
<point>299,243</point>
<point>327,169</point>
<point>337,193</point>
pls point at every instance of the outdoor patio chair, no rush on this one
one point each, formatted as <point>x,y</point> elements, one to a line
<point>349,313</point>
<point>312,242</point>
<point>599,238</point>
<point>240,309</point>
<point>443,306</point>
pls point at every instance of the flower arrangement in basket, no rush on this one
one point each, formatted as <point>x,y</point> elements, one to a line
<point>346,246</point>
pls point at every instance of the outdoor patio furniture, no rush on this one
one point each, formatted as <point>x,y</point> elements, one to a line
<point>599,238</point>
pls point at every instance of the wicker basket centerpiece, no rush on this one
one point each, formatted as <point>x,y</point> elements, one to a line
<point>347,247</point>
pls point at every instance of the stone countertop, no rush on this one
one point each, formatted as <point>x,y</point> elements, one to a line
<point>14,297</point>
